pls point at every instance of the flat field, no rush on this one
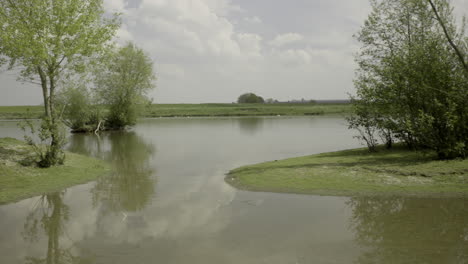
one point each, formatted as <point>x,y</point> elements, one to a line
<point>195,110</point>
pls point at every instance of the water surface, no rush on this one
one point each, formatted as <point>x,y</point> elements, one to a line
<point>167,202</point>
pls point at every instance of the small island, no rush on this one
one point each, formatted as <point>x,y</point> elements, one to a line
<point>357,172</point>
<point>20,178</point>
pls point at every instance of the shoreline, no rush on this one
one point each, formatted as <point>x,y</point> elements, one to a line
<point>357,172</point>
<point>18,182</point>
<point>202,110</point>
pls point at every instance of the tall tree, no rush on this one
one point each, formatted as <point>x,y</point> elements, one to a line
<point>410,83</point>
<point>49,38</point>
<point>123,82</point>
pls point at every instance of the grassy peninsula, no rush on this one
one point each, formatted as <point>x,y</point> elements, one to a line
<point>357,172</point>
<point>202,110</point>
<point>19,179</point>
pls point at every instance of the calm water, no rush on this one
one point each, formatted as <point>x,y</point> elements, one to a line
<point>167,202</point>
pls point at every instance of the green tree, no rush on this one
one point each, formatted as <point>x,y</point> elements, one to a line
<point>49,39</point>
<point>81,111</point>
<point>250,98</point>
<point>123,83</point>
<point>410,83</point>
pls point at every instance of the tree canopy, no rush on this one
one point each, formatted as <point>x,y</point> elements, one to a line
<point>411,82</point>
<point>250,98</point>
<point>123,82</point>
<point>49,39</point>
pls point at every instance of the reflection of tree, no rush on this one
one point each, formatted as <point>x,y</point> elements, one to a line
<point>250,124</point>
<point>86,144</point>
<point>130,186</point>
<point>51,214</point>
<point>411,230</point>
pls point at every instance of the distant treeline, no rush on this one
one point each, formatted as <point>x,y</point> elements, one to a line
<point>344,101</point>
<point>251,98</point>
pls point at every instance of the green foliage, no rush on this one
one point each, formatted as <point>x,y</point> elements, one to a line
<point>80,111</point>
<point>51,40</point>
<point>123,83</point>
<point>411,86</point>
<point>49,148</point>
<point>250,98</point>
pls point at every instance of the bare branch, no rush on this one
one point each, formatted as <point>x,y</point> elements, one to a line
<point>449,38</point>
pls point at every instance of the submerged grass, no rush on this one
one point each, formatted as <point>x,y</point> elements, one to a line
<point>357,172</point>
<point>19,181</point>
<point>195,110</point>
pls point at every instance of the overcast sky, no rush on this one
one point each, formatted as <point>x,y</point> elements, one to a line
<point>215,50</point>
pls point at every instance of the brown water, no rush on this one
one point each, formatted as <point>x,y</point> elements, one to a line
<point>167,202</point>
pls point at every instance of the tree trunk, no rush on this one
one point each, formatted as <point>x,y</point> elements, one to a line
<point>45,91</point>
<point>52,155</point>
<point>55,144</point>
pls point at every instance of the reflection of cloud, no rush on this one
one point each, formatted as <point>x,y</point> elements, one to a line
<point>190,217</point>
<point>187,211</point>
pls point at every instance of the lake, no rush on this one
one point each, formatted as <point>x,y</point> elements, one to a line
<point>167,202</point>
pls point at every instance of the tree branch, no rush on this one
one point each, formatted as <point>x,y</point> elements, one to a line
<point>447,35</point>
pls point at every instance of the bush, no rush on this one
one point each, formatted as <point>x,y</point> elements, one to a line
<point>49,149</point>
<point>250,98</point>
<point>123,82</point>
<point>80,111</point>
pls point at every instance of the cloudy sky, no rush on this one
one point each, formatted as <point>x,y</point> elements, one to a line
<point>214,50</point>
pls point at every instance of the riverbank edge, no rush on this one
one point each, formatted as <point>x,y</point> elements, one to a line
<point>18,182</point>
<point>357,172</point>
<point>203,110</point>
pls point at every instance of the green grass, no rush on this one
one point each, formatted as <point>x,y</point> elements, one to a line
<point>195,110</point>
<point>171,110</point>
<point>21,112</point>
<point>357,172</point>
<point>18,182</point>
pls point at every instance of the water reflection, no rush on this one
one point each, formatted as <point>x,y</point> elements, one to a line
<point>250,125</point>
<point>192,216</point>
<point>130,185</point>
<point>50,214</point>
<point>410,230</point>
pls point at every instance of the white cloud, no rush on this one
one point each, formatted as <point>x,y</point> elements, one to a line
<point>202,55</point>
<point>250,44</point>
<point>294,57</point>
<point>114,5</point>
<point>285,39</point>
<point>253,20</point>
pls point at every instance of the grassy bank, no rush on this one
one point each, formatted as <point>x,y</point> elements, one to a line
<point>170,110</point>
<point>18,182</point>
<point>183,110</point>
<point>357,172</point>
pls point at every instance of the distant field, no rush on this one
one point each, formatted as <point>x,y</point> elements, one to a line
<point>170,110</point>
<point>21,112</point>
<point>183,110</point>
